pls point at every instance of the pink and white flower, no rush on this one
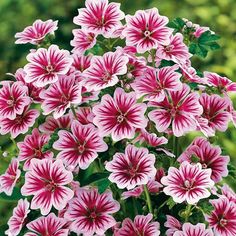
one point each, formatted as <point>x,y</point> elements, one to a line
<point>176,50</point>
<point>194,230</point>
<point>132,168</point>
<point>154,82</point>
<point>209,157</point>
<point>60,96</point>
<point>13,99</point>
<point>178,109</point>
<point>91,212</point>
<point>83,40</point>
<point>229,193</point>
<point>188,183</point>
<point>20,124</point>
<point>223,84</point>
<point>46,180</point>
<point>223,217</point>
<point>141,225</point>
<point>37,32</point>
<point>104,71</point>
<point>100,17</point>
<point>31,148</point>
<point>120,115</point>
<point>146,30</point>
<point>51,124</point>
<point>45,65</point>
<point>49,225</point>
<point>215,111</point>
<point>80,147</point>
<point>84,115</point>
<point>9,179</point>
<point>172,224</point>
<point>17,220</point>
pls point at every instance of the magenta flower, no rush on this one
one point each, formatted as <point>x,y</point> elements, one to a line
<point>37,32</point>
<point>20,124</point>
<point>194,230</point>
<point>84,115</point>
<point>31,148</point>
<point>188,183</point>
<point>80,147</point>
<point>178,109</point>
<point>51,124</point>
<point>80,62</point>
<point>135,192</point>
<point>91,212</point>
<point>13,99</point>
<point>209,157</point>
<point>9,179</point>
<point>60,95</point>
<point>46,64</point>
<point>100,17</point>
<point>154,82</point>
<point>172,224</point>
<point>215,111</point>
<point>229,193</point>
<point>46,180</point>
<point>223,217</point>
<point>17,220</point>
<point>104,71</point>
<point>49,225</point>
<point>132,168</point>
<point>141,225</point>
<point>120,115</point>
<point>146,30</point>
<point>82,41</point>
<point>223,84</point>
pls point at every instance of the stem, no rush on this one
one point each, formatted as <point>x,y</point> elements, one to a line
<point>134,205</point>
<point>175,146</point>
<point>188,212</point>
<point>74,112</point>
<point>148,199</point>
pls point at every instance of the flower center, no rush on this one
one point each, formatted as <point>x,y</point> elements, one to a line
<point>81,149</point>
<point>204,165</point>
<point>10,103</point>
<point>188,184</point>
<point>120,118</point>
<point>173,112</point>
<point>93,215</point>
<point>147,33</point>
<point>106,76</point>
<point>37,153</point>
<point>49,68</point>
<point>169,48</point>
<point>100,22</point>
<point>19,120</point>
<point>51,186</point>
<point>223,222</point>
<point>64,99</point>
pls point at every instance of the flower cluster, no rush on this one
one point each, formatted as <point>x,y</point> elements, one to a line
<point>99,132</point>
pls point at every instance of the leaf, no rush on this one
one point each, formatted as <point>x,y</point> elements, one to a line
<point>177,24</point>
<point>170,203</point>
<point>232,171</point>
<point>102,184</point>
<point>95,177</point>
<point>16,195</point>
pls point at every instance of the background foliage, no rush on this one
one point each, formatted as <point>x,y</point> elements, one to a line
<point>217,14</point>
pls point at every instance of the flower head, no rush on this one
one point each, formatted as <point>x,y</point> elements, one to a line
<point>172,224</point>
<point>133,168</point>
<point>120,115</point>
<point>37,32</point>
<point>188,183</point>
<point>46,180</point>
<point>91,212</point>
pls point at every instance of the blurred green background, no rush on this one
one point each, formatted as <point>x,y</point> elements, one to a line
<point>219,15</point>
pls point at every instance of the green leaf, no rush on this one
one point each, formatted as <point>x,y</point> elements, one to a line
<point>177,24</point>
<point>16,195</point>
<point>96,177</point>
<point>170,203</point>
<point>232,171</point>
<point>102,184</point>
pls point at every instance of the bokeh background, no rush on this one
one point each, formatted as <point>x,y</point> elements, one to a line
<point>219,15</point>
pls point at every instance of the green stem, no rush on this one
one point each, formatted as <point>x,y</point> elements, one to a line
<point>74,112</point>
<point>175,146</point>
<point>148,199</point>
<point>134,205</point>
<point>187,212</point>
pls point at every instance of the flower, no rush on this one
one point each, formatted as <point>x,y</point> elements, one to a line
<point>100,17</point>
<point>209,157</point>
<point>46,180</point>
<point>120,115</point>
<point>17,220</point>
<point>215,111</point>
<point>178,109</point>
<point>20,124</point>
<point>60,95</point>
<point>140,226</point>
<point>154,82</point>
<point>51,124</point>
<point>84,115</point>
<point>188,183</point>
<point>49,225</point>
<point>229,193</point>
<point>194,230</point>
<point>82,41</point>
<point>46,64</point>
<point>104,70</point>
<point>36,33</point>
<point>31,148</point>
<point>133,168</point>
<point>13,99</point>
<point>91,212</point>
<point>146,30</point>
<point>9,179</point>
<point>80,62</point>
<point>222,83</point>
<point>172,224</point>
<point>222,219</point>
<point>176,50</point>
<point>80,147</point>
